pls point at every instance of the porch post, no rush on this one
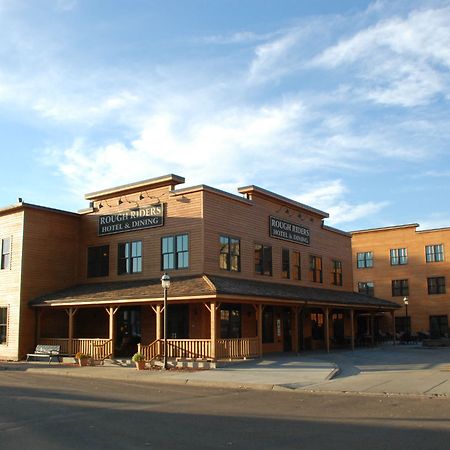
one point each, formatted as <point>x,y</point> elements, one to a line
<point>327,330</point>
<point>394,331</point>
<point>259,313</point>
<point>112,327</point>
<point>71,314</point>
<point>213,330</point>
<point>352,329</point>
<point>372,328</point>
<point>295,330</point>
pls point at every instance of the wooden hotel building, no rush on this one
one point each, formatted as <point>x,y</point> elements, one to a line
<point>250,273</point>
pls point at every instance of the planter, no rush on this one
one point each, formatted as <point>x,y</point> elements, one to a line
<point>140,365</point>
<point>83,362</point>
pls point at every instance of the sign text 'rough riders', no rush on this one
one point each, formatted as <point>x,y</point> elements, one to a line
<point>149,217</point>
<point>288,231</point>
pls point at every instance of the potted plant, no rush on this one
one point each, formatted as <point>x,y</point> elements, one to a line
<point>82,358</point>
<point>139,360</point>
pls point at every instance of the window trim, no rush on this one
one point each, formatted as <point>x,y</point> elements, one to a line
<point>367,263</point>
<point>337,273</point>
<point>129,260</point>
<point>176,253</point>
<point>229,254</point>
<point>5,255</point>
<point>439,288</point>
<point>5,325</point>
<point>402,288</point>
<point>314,271</point>
<point>264,261</point>
<point>432,256</point>
<point>396,258</point>
<point>107,259</point>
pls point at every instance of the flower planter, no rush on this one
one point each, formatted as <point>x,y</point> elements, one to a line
<point>83,362</point>
<point>140,365</point>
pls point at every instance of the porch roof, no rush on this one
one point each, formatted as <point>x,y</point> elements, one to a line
<point>197,287</point>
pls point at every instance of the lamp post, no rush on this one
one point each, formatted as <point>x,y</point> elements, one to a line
<point>405,301</point>
<point>165,283</point>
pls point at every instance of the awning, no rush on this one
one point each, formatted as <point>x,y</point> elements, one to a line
<point>205,287</point>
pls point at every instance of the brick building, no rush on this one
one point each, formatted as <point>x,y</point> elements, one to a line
<point>251,273</point>
<point>401,263</point>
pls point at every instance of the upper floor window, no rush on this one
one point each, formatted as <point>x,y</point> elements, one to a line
<point>263,259</point>
<point>399,256</point>
<point>337,273</point>
<point>436,285</point>
<point>366,287</point>
<point>285,264</point>
<point>5,260</point>
<point>315,269</point>
<point>296,271</point>
<point>129,257</point>
<point>230,254</point>
<point>400,288</point>
<point>175,252</point>
<point>3,325</point>
<point>364,259</point>
<point>434,253</point>
<point>98,261</point>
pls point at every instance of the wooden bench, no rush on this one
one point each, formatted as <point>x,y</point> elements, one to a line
<point>46,351</point>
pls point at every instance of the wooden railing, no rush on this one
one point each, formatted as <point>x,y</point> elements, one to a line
<point>237,348</point>
<point>96,347</point>
<point>201,348</point>
<point>177,348</point>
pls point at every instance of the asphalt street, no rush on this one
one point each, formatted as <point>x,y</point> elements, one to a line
<point>46,411</point>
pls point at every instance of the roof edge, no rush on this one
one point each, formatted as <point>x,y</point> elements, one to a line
<point>392,227</point>
<point>259,190</point>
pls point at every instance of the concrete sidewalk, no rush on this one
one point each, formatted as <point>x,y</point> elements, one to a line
<point>381,370</point>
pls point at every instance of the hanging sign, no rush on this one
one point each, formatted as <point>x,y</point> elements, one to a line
<point>280,229</point>
<point>131,220</point>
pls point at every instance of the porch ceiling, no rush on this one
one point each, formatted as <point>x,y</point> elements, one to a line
<point>198,287</point>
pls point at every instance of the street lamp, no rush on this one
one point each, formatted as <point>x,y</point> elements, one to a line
<point>165,283</point>
<point>405,301</point>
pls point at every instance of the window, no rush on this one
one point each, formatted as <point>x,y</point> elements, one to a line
<point>400,288</point>
<point>230,254</point>
<point>175,252</point>
<point>366,287</point>
<point>399,256</point>
<point>436,285</point>
<point>5,245</point>
<point>285,264</point>
<point>98,261</point>
<point>296,270</point>
<point>129,258</point>
<point>263,259</point>
<point>439,326</point>
<point>364,260</point>
<point>317,328</point>
<point>3,325</point>
<point>230,321</point>
<point>315,269</point>
<point>267,325</point>
<point>434,253</point>
<point>337,273</point>
<point>403,324</point>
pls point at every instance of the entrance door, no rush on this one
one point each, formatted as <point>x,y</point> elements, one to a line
<point>338,328</point>
<point>287,330</point>
<point>438,326</point>
<point>178,322</point>
<point>128,326</point>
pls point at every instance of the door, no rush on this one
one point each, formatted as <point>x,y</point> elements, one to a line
<point>128,326</point>
<point>287,329</point>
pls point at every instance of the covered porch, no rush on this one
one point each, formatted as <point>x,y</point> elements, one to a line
<point>209,317</point>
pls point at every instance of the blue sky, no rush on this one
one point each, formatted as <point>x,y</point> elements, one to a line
<point>343,105</point>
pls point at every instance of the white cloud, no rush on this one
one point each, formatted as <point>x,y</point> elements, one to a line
<point>399,61</point>
<point>331,197</point>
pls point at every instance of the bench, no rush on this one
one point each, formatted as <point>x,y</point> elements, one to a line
<point>46,351</point>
